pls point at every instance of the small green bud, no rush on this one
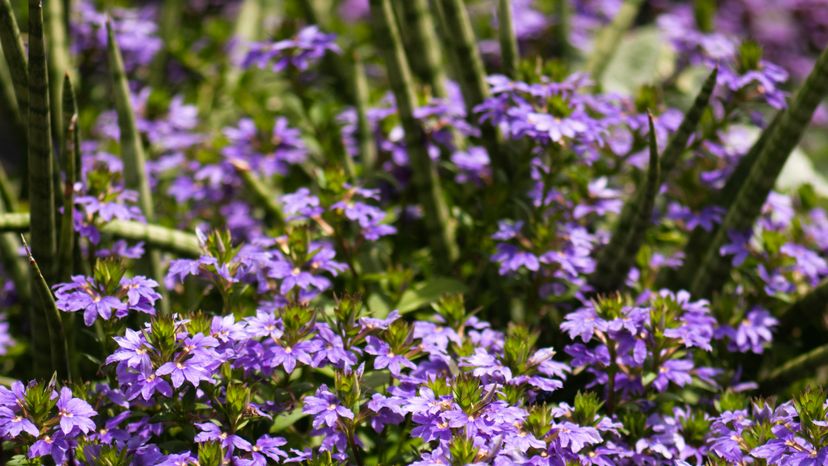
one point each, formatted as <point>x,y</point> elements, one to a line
<point>210,454</point>
<point>749,56</point>
<point>453,309</point>
<point>462,451</point>
<point>586,408</point>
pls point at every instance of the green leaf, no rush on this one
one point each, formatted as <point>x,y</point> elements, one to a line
<point>284,421</point>
<point>771,154</point>
<point>428,292</point>
<point>643,57</point>
<point>608,38</point>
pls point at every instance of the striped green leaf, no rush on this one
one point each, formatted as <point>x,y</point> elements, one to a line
<point>162,238</point>
<point>618,256</point>
<point>750,195</point>
<point>263,195</point>
<point>41,189</point>
<point>424,48</point>
<point>71,152</point>
<point>688,125</point>
<point>15,55</point>
<point>365,135</point>
<point>426,181</point>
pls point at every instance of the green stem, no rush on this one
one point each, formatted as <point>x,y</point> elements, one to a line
<point>798,365</point>
<point>260,191</point>
<point>426,181</point>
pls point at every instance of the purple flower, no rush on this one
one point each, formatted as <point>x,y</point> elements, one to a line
<point>82,294</point>
<point>12,424</point>
<point>287,356</point>
<point>573,437</point>
<point>133,351</point>
<point>325,408</point>
<point>752,333</point>
<point>74,413</point>
<point>192,370</point>
<point>384,357</point>
<point>211,432</point>
<point>676,371</point>
<point>299,52</point>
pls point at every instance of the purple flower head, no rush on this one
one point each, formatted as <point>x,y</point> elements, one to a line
<point>74,413</point>
<point>385,358</point>
<point>325,408</point>
<point>299,52</point>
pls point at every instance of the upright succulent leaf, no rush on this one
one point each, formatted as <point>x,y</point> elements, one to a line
<point>426,181</point>
<point>10,257</point>
<point>509,55</point>
<point>59,60</point>
<point>688,125</point>
<point>750,196</point>
<point>618,256</point>
<point>71,153</point>
<point>15,55</point>
<point>418,24</point>
<point>609,38</point>
<point>41,189</point>
<point>132,149</point>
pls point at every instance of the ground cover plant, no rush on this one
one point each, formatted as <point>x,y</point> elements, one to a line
<point>420,232</point>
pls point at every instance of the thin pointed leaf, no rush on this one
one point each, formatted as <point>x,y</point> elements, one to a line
<point>509,54</point>
<point>426,180</point>
<point>14,124</point>
<point>132,149</point>
<point>688,125</point>
<point>418,24</point>
<point>619,255</point>
<point>561,10</point>
<point>15,55</point>
<point>58,346</point>
<point>41,189</point>
<point>365,136</point>
<point>71,152</point>
<point>751,194</point>
<point>608,38</point>
<point>248,28</point>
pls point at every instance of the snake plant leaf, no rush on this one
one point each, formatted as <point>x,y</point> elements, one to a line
<point>509,55</point>
<point>441,230</point>
<point>58,346</point>
<point>426,59</point>
<point>618,256</point>
<point>688,125</point>
<point>10,254</point>
<point>58,59</point>
<point>41,188</point>
<point>71,152</point>
<point>470,74</point>
<point>365,135</point>
<point>162,238</point>
<point>15,55</point>
<point>608,39</point>
<point>751,193</point>
<point>797,366</point>
<point>132,149</point>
